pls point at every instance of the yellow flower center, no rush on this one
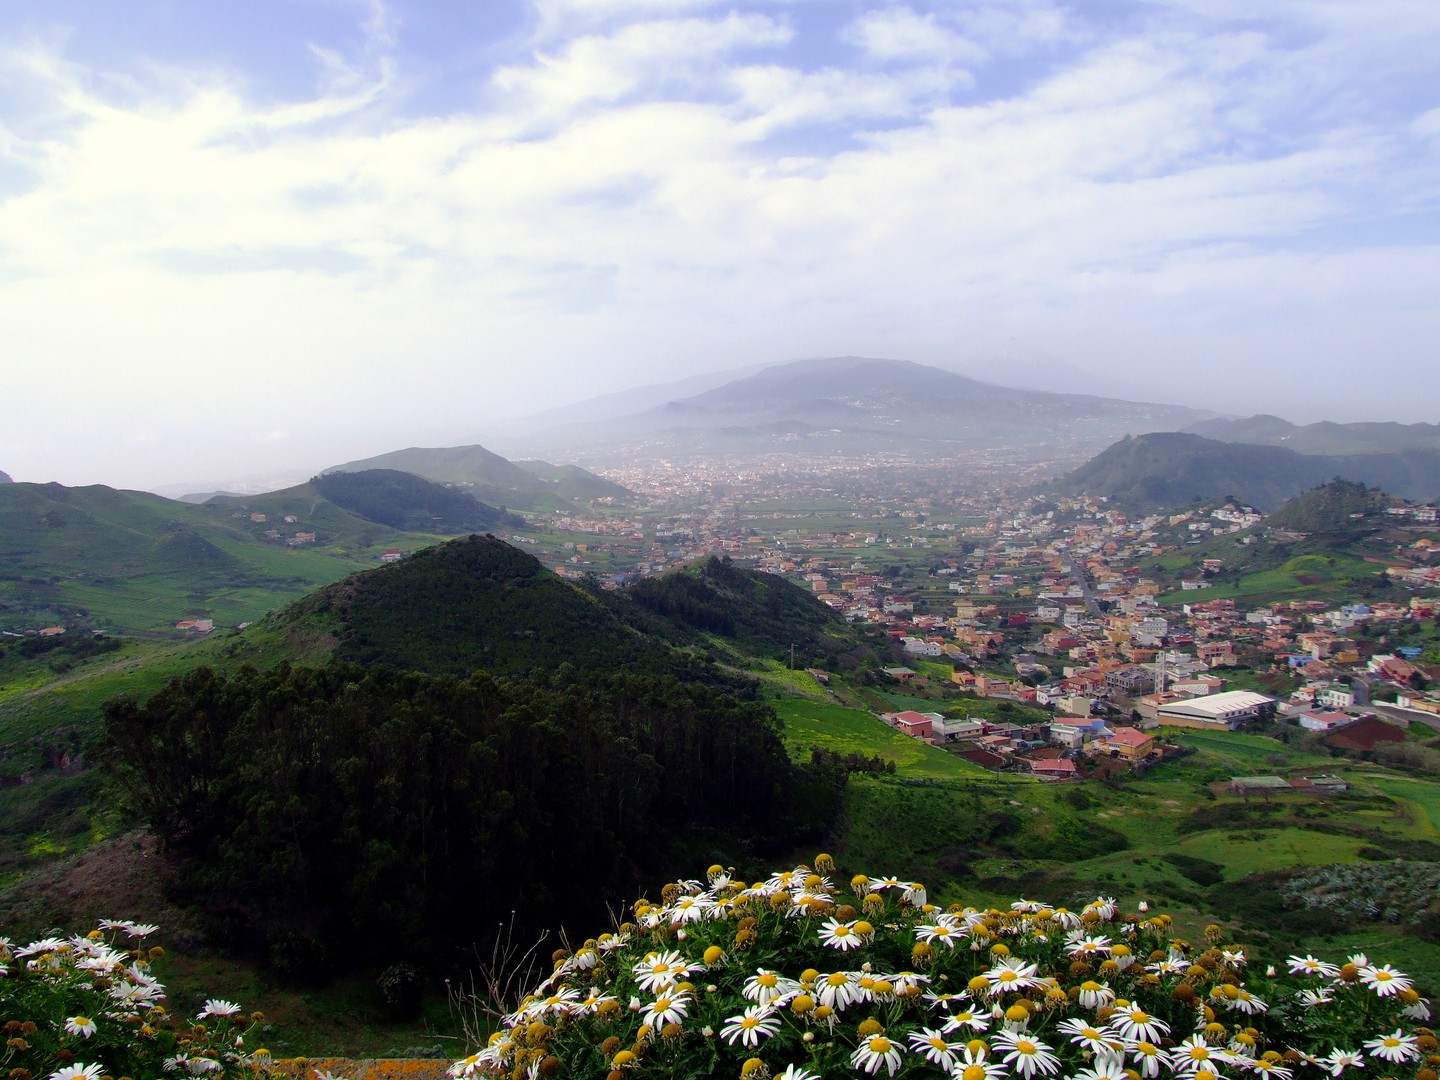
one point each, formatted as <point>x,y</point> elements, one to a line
<point>1025,1046</point>
<point>973,1072</point>
<point>879,1045</point>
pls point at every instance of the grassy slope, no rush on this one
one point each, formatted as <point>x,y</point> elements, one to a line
<point>1305,577</point>
<point>893,826</point>
<point>834,727</point>
<point>138,563</point>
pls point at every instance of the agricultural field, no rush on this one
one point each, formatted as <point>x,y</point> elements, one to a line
<point>1176,837</point>
<point>1305,577</point>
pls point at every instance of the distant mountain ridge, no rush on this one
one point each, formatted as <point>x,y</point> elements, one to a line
<point>1324,437</point>
<point>858,404</point>
<point>1175,469</point>
<point>5,478</point>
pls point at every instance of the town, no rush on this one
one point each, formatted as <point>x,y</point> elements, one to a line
<point>1100,618</point>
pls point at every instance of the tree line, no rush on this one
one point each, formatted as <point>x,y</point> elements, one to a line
<point>317,807</point>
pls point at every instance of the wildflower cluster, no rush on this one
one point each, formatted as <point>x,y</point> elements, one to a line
<point>798,977</point>
<point>89,1006</point>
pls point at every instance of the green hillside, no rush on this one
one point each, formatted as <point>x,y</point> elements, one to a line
<point>1169,470</point>
<point>404,501</point>
<point>94,558</point>
<point>530,485</point>
<point>573,482</point>
<point>1341,509</point>
<point>1332,542</point>
<point>472,603</point>
<point>759,614</point>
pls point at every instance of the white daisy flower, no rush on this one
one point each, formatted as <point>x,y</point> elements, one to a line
<point>1384,980</point>
<point>934,1046</point>
<point>837,935</point>
<point>1026,1055</point>
<point>755,1023</point>
<point>1337,1061</point>
<point>659,970</point>
<point>667,1009</point>
<point>1309,965</point>
<point>1395,1047</point>
<point>80,1025</point>
<point>1136,1024</point>
<point>875,1052</point>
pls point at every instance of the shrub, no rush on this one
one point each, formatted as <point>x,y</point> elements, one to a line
<point>82,1007</point>
<point>800,977</point>
<point>1200,871</point>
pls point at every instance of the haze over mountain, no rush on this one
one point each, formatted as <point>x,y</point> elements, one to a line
<point>860,404</point>
<point>1173,469</point>
<point>520,485</point>
<point>5,478</point>
<point>1324,437</point>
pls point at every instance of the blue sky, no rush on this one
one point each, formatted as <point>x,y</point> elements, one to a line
<point>265,238</point>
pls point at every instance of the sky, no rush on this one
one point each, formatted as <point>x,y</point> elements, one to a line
<point>261,239</point>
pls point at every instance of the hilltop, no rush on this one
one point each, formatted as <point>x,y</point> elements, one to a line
<point>518,485</point>
<point>1340,509</point>
<point>478,602</point>
<point>475,602</point>
<point>408,502</point>
<point>1166,470</point>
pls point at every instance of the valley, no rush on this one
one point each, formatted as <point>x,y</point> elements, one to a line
<point>955,670</point>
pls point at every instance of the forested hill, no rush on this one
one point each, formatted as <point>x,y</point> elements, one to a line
<point>758,613</point>
<point>1338,507</point>
<point>476,602</point>
<point>405,501</point>
<point>306,809</point>
<point>479,602</point>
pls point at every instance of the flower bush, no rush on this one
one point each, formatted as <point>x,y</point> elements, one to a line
<point>86,1007</point>
<point>804,976</point>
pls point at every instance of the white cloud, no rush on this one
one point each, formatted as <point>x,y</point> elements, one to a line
<point>649,197</point>
<point>902,34</point>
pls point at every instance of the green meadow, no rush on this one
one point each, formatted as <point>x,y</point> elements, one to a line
<point>1304,577</point>
<point>854,731</point>
<point>1175,837</point>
